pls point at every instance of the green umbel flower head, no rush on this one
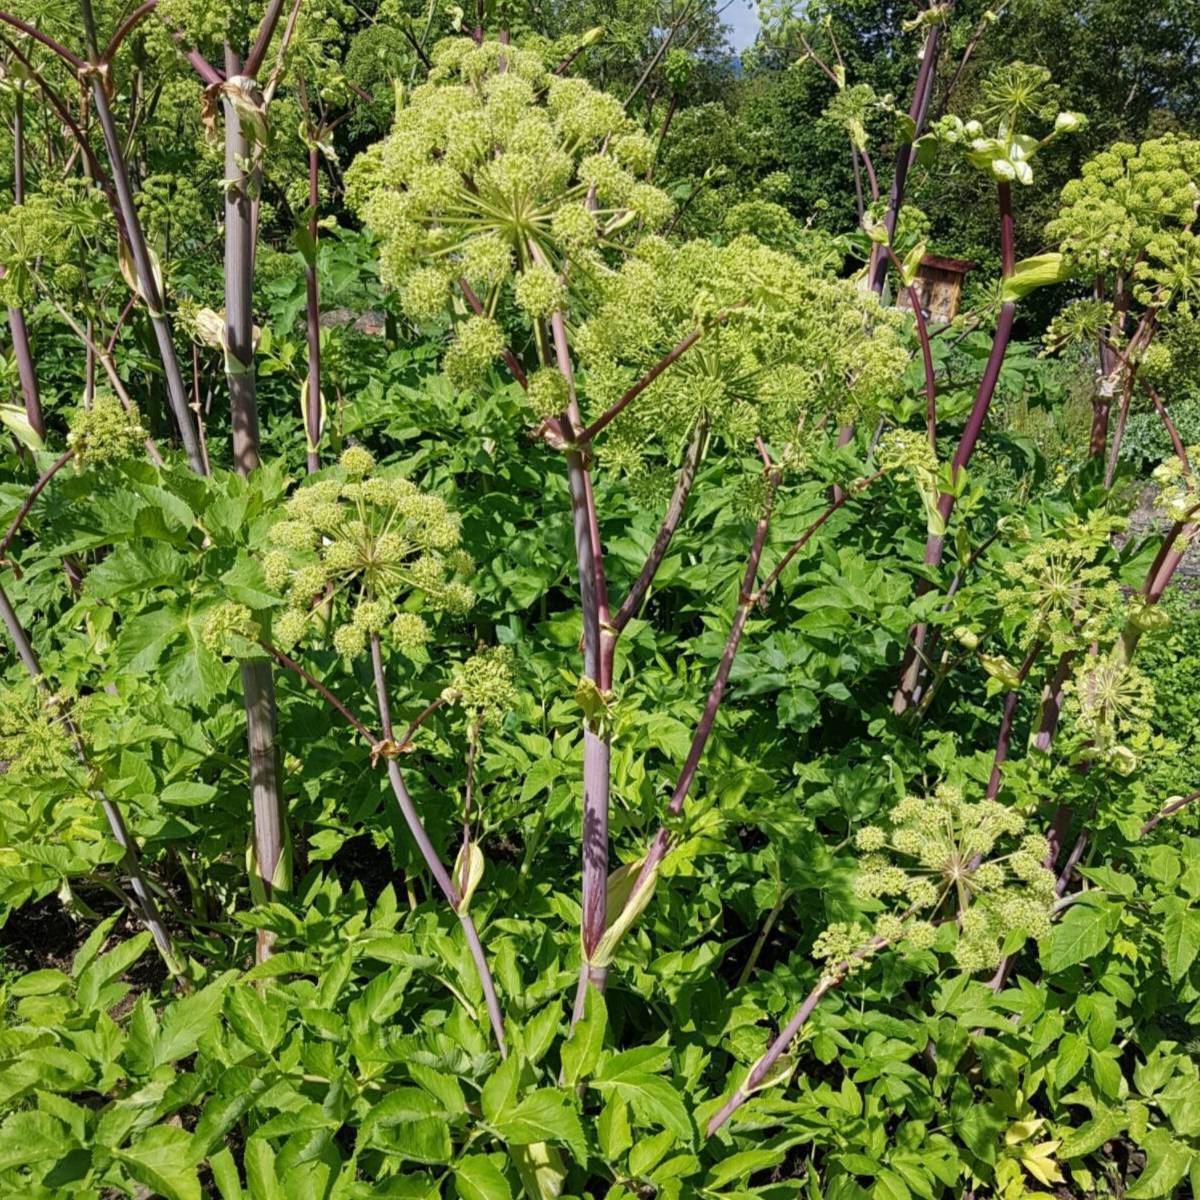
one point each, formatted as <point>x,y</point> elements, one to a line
<point>969,865</point>
<point>106,432</point>
<point>1130,206</point>
<point>370,546</point>
<point>490,158</point>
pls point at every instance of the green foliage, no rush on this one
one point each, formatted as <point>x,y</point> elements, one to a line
<point>1011,1027</point>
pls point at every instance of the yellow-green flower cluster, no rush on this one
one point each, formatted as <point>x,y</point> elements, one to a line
<point>908,454</point>
<point>1065,594</point>
<point>1178,492</point>
<point>48,232</point>
<point>1125,199</point>
<point>106,432</point>
<point>483,684</point>
<point>1080,323</point>
<point>780,346</point>
<point>227,627</point>
<point>1110,702</point>
<point>493,156</point>
<point>360,548</point>
<point>969,864</point>
<point>33,740</point>
<point>1170,272</point>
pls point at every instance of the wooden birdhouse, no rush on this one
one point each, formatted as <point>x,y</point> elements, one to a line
<point>939,283</point>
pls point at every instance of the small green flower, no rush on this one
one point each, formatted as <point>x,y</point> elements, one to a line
<point>947,857</point>
<point>349,640</point>
<point>227,626</point>
<point>483,685</point>
<point>547,394</point>
<point>479,342</point>
<point>106,433</point>
<point>539,291</point>
<point>409,631</point>
<point>357,461</point>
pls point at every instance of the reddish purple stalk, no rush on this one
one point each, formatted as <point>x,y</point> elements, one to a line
<point>662,540</point>
<point>429,854</point>
<point>909,691</point>
<point>313,322</point>
<point>1168,810</point>
<point>1007,721</point>
<point>34,492</point>
<point>16,317</point>
<point>176,391</point>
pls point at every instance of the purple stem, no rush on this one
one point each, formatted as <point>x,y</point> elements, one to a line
<point>429,854</point>
<point>127,27</point>
<point>917,112</point>
<point>1006,722</point>
<point>680,348</point>
<point>72,60</point>
<point>26,371</point>
<point>908,692</point>
<point>258,52</point>
<point>176,391</point>
<point>914,298</point>
<point>1172,432</point>
<point>662,541</point>
<point>747,597</point>
<point>1052,702</point>
<point>1173,807</point>
<point>313,319</point>
<point>144,899</point>
<point>762,1069</point>
<point>45,477</point>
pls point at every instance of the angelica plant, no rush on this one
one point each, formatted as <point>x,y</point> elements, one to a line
<point>963,876</point>
<point>519,191</point>
<point>353,557</point>
<point>1126,228</point>
<point>1016,97</point>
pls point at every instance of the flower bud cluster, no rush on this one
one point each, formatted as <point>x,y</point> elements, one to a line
<point>970,865</point>
<point>483,684</point>
<point>106,432</point>
<point>365,548</point>
<point>1063,585</point>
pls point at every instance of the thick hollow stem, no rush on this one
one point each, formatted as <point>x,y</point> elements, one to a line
<point>143,264</point>
<point>22,352</point>
<point>239,274</point>
<point>269,814</point>
<point>1052,702</point>
<point>918,109</point>
<point>312,411</point>
<point>419,835</point>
